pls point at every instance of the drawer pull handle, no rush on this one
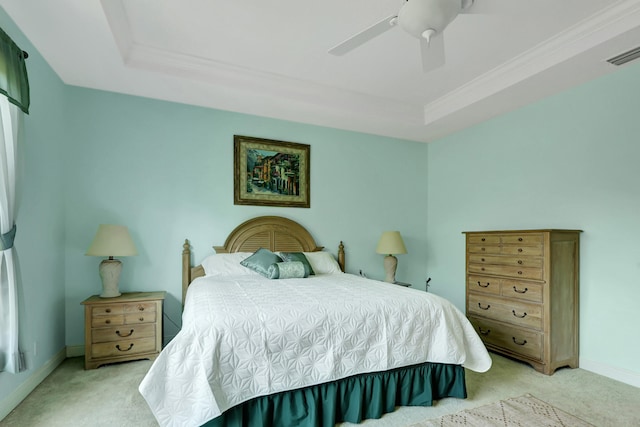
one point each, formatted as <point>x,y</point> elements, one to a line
<point>483,308</point>
<point>519,239</point>
<point>484,332</point>
<point>483,286</point>
<point>519,291</point>
<point>518,343</point>
<point>483,239</point>
<point>519,249</point>
<point>520,317</point>
<point>520,262</point>
<point>482,259</point>
<point>108,310</point>
<point>124,336</point>
<point>519,272</point>
<point>141,319</point>
<point>119,349</point>
<point>140,308</point>
<point>107,321</point>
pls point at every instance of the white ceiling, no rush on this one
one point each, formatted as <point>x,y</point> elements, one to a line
<point>270,58</point>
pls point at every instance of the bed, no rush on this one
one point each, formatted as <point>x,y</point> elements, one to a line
<point>310,350</point>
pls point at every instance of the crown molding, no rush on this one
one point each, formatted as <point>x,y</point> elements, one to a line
<point>593,31</point>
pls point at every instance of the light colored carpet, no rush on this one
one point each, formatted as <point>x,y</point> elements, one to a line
<point>517,412</point>
<point>109,396</point>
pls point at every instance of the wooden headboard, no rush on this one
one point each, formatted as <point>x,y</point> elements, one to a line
<point>275,233</point>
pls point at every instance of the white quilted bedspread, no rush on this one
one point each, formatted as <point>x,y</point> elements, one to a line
<point>247,336</point>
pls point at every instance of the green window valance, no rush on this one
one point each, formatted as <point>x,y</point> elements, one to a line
<point>13,73</point>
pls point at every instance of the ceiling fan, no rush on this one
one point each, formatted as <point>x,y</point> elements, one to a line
<point>423,19</point>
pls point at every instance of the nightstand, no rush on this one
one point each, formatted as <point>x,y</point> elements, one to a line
<point>128,327</point>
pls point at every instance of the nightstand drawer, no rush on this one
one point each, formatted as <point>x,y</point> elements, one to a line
<point>132,319</point>
<point>123,348</point>
<point>107,310</point>
<point>139,308</point>
<point>117,333</point>
<point>98,321</point>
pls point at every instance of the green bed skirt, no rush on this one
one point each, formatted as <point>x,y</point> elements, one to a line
<point>351,399</point>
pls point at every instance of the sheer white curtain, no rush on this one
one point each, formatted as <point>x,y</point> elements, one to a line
<point>11,359</point>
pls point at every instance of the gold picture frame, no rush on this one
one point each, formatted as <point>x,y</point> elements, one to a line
<point>270,173</point>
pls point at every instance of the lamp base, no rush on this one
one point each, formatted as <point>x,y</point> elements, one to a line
<point>110,274</point>
<point>390,265</point>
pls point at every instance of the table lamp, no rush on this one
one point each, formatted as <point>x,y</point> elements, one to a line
<point>391,244</point>
<point>111,241</point>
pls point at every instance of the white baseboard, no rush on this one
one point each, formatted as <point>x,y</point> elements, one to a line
<point>10,402</point>
<point>622,375</point>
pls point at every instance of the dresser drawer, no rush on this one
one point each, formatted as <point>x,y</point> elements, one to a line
<point>125,347</point>
<point>522,250</point>
<point>505,270</point>
<point>508,288</point>
<point>516,340</point>
<point>484,239</point>
<point>117,333</point>
<point>484,285</point>
<point>522,239</point>
<point>518,313</point>
<point>529,291</point>
<point>515,261</point>
<point>484,249</point>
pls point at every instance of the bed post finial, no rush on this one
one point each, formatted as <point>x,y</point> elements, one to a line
<point>186,268</point>
<point>341,260</point>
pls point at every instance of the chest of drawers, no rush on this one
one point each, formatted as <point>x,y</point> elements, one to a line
<point>128,327</point>
<point>522,294</point>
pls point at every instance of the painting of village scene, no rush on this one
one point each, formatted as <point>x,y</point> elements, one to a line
<point>271,173</point>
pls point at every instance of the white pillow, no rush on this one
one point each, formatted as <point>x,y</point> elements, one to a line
<point>227,265</point>
<point>323,262</point>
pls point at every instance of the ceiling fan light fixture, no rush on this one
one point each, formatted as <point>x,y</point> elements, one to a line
<point>467,4</point>
<point>428,34</point>
<point>418,16</point>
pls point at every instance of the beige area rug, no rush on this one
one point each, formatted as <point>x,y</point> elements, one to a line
<point>523,411</point>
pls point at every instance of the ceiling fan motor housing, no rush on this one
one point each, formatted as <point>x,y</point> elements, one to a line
<point>418,16</point>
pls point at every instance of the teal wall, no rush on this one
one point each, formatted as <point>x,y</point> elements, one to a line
<point>166,171</point>
<point>569,161</point>
<point>40,237</point>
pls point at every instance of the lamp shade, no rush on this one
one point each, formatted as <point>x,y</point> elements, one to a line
<point>112,240</point>
<point>391,243</point>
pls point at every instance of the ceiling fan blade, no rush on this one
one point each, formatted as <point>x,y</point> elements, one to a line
<point>364,36</point>
<point>432,53</point>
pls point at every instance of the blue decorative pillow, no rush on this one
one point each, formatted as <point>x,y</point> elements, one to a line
<point>287,270</point>
<point>298,256</point>
<point>260,261</point>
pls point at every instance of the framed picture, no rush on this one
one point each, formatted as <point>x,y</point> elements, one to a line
<point>270,173</point>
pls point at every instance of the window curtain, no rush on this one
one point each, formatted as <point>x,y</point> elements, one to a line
<point>14,101</point>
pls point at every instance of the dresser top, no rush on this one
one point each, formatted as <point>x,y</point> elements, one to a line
<point>126,297</point>
<point>545,230</point>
